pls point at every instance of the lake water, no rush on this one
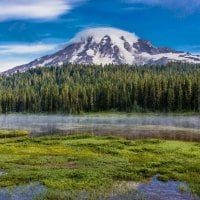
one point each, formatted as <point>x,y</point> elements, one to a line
<point>128,126</point>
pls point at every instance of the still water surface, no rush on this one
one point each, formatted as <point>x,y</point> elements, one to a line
<point>128,126</point>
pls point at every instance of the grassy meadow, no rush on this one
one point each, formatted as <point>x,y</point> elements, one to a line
<point>70,165</point>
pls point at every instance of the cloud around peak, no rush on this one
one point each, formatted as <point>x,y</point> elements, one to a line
<point>97,33</point>
<point>35,9</point>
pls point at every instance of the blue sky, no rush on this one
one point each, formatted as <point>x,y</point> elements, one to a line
<point>32,28</point>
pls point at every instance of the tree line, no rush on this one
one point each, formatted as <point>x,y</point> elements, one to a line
<point>174,87</point>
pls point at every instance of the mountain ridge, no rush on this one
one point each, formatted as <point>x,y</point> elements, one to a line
<point>102,46</point>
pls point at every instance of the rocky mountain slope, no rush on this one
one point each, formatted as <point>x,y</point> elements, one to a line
<point>108,45</point>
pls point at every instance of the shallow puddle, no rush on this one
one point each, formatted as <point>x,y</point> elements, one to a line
<point>154,190</point>
<point>25,192</point>
<point>158,190</point>
<point>2,173</point>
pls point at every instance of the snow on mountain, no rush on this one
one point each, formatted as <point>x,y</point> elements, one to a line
<point>108,46</point>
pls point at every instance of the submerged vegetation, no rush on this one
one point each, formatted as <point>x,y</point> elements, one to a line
<point>76,89</point>
<point>68,165</point>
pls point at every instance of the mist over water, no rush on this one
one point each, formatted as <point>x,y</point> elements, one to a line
<point>130,126</point>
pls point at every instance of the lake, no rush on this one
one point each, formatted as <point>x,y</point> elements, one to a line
<point>130,126</point>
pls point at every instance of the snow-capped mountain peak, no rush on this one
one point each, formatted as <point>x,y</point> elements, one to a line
<point>109,46</point>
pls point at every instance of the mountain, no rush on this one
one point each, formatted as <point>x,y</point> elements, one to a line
<point>108,45</point>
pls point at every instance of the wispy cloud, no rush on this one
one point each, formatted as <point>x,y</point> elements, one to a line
<point>26,48</point>
<point>35,9</point>
<point>16,54</point>
<point>11,62</point>
<point>183,6</point>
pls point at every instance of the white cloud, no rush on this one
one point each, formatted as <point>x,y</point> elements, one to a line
<point>26,48</point>
<point>35,9</point>
<point>17,54</point>
<point>10,63</point>
<point>183,6</point>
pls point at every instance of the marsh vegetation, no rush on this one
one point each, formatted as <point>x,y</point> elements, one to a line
<point>99,156</point>
<point>88,164</point>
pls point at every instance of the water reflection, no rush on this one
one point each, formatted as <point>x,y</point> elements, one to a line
<point>23,192</point>
<point>129,126</point>
<point>157,190</point>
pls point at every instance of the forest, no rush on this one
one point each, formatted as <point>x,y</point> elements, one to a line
<point>174,87</point>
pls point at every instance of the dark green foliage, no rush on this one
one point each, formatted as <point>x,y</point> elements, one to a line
<point>76,89</point>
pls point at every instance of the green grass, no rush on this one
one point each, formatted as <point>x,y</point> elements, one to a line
<point>68,165</point>
<point>13,133</point>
